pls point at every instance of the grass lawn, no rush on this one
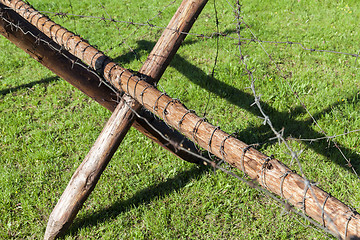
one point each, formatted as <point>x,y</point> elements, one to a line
<point>47,126</point>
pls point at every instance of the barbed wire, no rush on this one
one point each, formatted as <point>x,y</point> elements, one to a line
<point>215,58</point>
<point>216,164</point>
<point>279,134</point>
<point>323,138</point>
<point>59,50</point>
<point>265,117</point>
<point>283,76</point>
<point>123,40</point>
<point>308,183</point>
<point>161,11</point>
<point>200,35</point>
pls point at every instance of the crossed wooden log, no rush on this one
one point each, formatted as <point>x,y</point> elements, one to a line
<point>139,92</point>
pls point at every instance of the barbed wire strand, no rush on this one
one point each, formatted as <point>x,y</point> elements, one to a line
<point>323,138</point>
<point>299,99</point>
<point>207,161</point>
<point>212,163</point>
<point>266,118</point>
<point>123,41</point>
<point>204,35</point>
<point>105,82</point>
<point>216,57</point>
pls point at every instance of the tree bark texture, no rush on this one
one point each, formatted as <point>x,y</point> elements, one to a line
<point>268,172</point>
<point>65,65</point>
<point>88,173</point>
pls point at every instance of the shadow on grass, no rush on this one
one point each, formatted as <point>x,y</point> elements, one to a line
<point>243,100</point>
<point>29,85</point>
<point>141,197</point>
<point>292,127</point>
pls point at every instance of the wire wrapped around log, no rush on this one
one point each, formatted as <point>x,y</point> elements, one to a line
<point>338,218</point>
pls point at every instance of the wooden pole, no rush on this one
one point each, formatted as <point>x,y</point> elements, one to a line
<point>65,65</point>
<point>88,173</point>
<point>268,172</point>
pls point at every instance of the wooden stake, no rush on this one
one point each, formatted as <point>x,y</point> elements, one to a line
<point>88,173</point>
<point>86,80</point>
<point>268,172</point>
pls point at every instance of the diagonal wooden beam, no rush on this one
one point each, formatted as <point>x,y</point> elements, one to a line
<point>44,50</point>
<point>270,173</point>
<point>88,173</point>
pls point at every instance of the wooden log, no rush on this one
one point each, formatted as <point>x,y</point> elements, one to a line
<point>68,67</point>
<point>269,173</point>
<point>88,173</point>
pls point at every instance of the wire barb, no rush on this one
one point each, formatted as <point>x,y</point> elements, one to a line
<point>282,182</point>
<point>155,108</point>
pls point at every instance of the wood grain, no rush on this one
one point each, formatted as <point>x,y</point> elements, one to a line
<point>88,173</point>
<point>269,173</point>
<point>87,81</point>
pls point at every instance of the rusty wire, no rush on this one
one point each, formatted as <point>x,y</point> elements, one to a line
<point>266,118</point>
<point>207,161</point>
<point>279,134</point>
<point>211,35</point>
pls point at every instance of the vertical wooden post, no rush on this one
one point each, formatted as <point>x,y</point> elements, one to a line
<point>88,173</point>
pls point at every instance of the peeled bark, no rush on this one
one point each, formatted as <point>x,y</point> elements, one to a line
<point>269,173</point>
<point>68,67</point>
<point>88,173</point>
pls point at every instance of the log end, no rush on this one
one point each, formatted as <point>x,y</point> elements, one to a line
<point>55,228</point>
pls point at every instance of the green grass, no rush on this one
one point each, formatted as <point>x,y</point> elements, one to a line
<point>47,126</point>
